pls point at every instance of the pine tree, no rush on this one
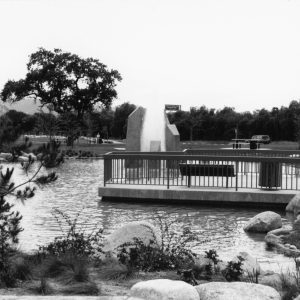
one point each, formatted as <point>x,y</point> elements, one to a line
<point>10,220</point>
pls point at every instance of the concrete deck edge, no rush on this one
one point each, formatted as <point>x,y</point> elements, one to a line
<point>196,196</point>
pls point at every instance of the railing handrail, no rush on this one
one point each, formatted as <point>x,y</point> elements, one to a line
<point>243,151</point>
<point>185,157</point>
<point>221,152</point>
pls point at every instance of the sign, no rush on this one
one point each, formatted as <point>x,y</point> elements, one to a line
<point>173,107</point>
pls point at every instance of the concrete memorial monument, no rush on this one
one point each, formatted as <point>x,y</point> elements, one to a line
<point>150,131</point>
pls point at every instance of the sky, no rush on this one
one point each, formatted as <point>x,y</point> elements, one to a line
<point>239,53</point>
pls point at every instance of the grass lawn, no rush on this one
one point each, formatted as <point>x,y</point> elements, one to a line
<point>278,145</point>
<point>119,145</point>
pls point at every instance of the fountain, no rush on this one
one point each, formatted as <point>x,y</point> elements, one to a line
<point>150,131</point>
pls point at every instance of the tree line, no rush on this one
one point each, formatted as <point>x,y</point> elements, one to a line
<point>204,123</point>
<point>197,124</point>
<point>107,122</point>
<point>79,92</point>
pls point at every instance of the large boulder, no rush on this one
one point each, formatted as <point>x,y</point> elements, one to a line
<point>126,234</point>
<point>23,159</point>
<point>164,289</point>
<point>6,156</point>
<point>276,238</point>
<point>296,225</point>
<point>250,264</point>
<point>273,280</point>
<point>286,229</point>
<point>280,282</point>
<point>264,222</point>
<point>201,263</point>
<point>272,239</point>
<point>236,291</point>
<point>294,205</point>
<point>33,157</point>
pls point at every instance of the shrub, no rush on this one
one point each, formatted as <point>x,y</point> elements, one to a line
<point>22,270</point>
<point>114,271</point>
<point>44,287</point>
<point>74,239</point>
<point>172,251</point>
<point>209,271</point>
<point>252,277</point>
<point>9,219</point>
<point>292,238</point>
<point>87,288</point>
<point>67,265</point>
<point>233,270</point>
<point>212,254</point>
<point>50,154</point>
<point>138,256</point>
<point>291,283</point>
<point>7,276</point>
<point>80,269</point>
<point>52,266</point>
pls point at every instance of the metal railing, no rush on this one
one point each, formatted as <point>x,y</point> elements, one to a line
<point>210,171</point>
<point>244,152</point>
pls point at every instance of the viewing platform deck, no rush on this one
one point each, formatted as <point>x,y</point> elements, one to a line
<point>196,195</point>
<point>223,177</point>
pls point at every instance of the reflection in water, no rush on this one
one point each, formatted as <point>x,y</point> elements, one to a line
<point>76,189</point>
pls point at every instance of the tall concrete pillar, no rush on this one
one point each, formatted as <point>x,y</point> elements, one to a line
<point>172,136</point>
<point>134,129</point>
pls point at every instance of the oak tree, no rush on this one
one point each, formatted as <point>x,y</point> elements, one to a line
<point>65,81</point>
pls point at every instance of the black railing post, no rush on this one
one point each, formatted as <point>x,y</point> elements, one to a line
<point>237,176</point>
<point>168,175</point>
<point>104,173</point>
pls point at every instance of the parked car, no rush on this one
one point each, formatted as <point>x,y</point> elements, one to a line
<point>265,139</point>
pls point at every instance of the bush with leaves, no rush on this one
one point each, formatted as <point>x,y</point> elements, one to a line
<point>9,219</point>
<point>234,270</point>
<point>50,154</point>
<point>212,254</point>
<point>74,240</point>
<point>136,255</point>
<point>170,249</point>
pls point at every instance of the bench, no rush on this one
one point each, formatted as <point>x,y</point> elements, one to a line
<point>221,170</point>
<point>253,144</point>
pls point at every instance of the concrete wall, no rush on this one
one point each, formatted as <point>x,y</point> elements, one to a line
<point>172,136</point>
<point>183,195</point>
<point>134,129</point>
<point>134,132</point>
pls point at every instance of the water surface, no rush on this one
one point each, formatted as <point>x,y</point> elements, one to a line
<point>219,228</point>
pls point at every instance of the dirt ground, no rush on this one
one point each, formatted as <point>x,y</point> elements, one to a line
<point>106,287</point>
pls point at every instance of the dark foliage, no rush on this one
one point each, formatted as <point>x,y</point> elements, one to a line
<point>208,124</point>
<point>51,156</point>
<point>66,81</point>
<point>10,220</point>
<point>212,254</point>
<point>234,270</point>
<point>197,124</point>
<point>44,288</point>
<point>12,125</point>
<point>138,256</point>
<point>172,251</point>
<point>74,240</point>
<point>121,114</point>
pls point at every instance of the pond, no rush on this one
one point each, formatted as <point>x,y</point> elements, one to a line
<point>219,228</point>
